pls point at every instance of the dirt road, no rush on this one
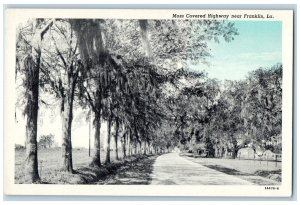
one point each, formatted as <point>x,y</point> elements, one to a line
<point>171,169</point>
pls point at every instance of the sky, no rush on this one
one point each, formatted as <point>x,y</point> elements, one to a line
<point>258,44</point>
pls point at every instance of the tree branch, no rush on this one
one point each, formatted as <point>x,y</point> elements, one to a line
<point>46,28</point>
<point>90,100</point>
<point>59,53</point>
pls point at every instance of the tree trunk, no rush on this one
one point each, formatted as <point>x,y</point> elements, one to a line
<point>32,69</point>
<point>140,147</point>
<point>96,161</point>
<point>124,145</point>
<point>235,147</point>
<point>31,163</point>
<point>145,151</point>
<point>150,148</point>
<point>116,139</point>
<point>135,146</point>
<point>67,117</point>
<point>107,160</point>
<point>128,144</point>
<point>145,40</point>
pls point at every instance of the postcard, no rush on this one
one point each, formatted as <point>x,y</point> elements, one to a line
<point>144,102</point>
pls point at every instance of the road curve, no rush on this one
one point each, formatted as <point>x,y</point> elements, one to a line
<point>171,169</point>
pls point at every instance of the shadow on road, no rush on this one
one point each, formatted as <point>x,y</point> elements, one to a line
<point>138,173</point>
<point>227,170</point>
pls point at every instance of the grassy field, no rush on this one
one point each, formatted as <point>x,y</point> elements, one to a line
<point>50,162</point>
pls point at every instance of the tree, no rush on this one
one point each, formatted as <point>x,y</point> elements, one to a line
<point>262,106</point>
<point>246,113</point>
<point>46,141</point>
<point>60,68</point>
<point>95,61</point>
<point>32,63</point>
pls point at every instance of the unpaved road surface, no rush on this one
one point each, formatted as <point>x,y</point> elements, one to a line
<point>171,169</point>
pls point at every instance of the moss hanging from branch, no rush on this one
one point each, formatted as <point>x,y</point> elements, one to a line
<point>90,40</point>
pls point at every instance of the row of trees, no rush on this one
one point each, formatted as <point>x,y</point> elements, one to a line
<point>119,70</point>
<point>221,119</point>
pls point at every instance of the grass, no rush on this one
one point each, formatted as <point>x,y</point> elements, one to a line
<point>50,163</point>
<point>247,166</point>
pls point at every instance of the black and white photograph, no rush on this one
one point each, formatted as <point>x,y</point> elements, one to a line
<point>151,100</point>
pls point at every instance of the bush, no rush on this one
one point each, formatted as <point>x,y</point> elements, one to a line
<point>278,148</point>
<point>46,141</point>
<point>19,147</point>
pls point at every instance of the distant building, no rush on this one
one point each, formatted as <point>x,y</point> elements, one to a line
<point>269,155</point>
<point>246,153</point>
